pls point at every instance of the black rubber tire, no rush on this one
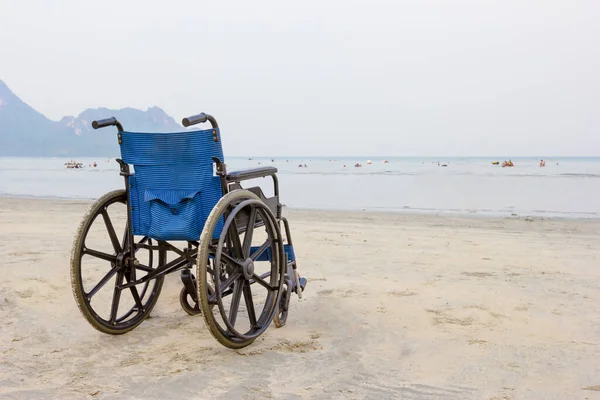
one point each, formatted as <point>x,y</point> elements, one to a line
<point>184,298</point>
<point>202,263</point>
<point>76,277</point>
<point>281,316</point>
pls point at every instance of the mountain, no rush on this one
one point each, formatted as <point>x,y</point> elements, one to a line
<point>26,132</point>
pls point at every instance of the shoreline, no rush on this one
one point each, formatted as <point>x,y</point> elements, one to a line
<point>480,214</point>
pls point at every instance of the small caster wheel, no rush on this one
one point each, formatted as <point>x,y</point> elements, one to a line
<point>186,301</point>
<point>282,310</point>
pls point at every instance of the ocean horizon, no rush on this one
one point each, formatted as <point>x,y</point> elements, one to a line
<point>565,187</point>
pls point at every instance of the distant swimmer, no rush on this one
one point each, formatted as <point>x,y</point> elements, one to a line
<point>542,163</point>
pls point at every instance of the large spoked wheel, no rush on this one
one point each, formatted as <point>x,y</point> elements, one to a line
<point>101,264</point>
<point>247,279</point>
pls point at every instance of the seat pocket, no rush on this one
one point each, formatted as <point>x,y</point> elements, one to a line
<point>174,214</point>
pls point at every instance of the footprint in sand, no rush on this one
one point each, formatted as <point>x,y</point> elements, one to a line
<point>595,388</point>
<point>442,317</point>
<point>454,321</point>
<point>341,293</point>
<point>477,274</point>
<point>24,294</point>
<point>403,293</point>
<point>477,342</point>
<point>288,346</point>
<point>467,315</point>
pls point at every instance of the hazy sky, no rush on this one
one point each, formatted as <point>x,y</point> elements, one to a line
<point>340,77</point>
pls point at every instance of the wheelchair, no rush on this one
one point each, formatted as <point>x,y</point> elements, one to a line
<point>181,210</point>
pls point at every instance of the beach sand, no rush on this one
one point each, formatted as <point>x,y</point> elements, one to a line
<point>397,306</point>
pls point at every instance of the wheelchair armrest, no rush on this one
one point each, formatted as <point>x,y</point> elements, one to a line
<point>260,172</point>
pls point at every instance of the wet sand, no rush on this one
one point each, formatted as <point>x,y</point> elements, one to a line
<point>397,306</point>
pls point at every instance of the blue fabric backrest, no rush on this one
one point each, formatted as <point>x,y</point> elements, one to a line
<point>173,189</point>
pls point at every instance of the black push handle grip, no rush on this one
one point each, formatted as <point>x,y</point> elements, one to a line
<point>103,123</point>
<point>194,119</point>
<point>198,119</point>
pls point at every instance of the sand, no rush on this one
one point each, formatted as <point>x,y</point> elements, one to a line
<point>397,306</point>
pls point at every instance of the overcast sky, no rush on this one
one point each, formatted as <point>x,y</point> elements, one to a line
<point>339,77</point>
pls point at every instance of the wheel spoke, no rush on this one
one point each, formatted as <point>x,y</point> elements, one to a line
<point>144,268</point>
<point>249,233</point>
<point>235,240</point>
<point>116,298</point>
<point>259,279</point>
<point>260,250</point>
<point>111,231</point>
<point>230,259</point>
<point>249,304</point>
<point>232,278</point>
<point>235,301</point>
<point>126,237</point>
<point>223,287</point>
<point>135,294</point>
<point>226,293</point>
<point>101,255</point>
<point>102,282</point>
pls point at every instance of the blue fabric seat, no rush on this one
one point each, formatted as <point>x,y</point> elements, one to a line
<point>173,188</point>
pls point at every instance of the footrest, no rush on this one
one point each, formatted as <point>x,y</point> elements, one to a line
<point>302,285</point>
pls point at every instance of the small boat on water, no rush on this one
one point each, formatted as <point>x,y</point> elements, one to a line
<point>74,164</point>
<point>495,162</point>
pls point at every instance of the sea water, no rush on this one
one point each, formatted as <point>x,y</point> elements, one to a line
<point>568,187</point>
